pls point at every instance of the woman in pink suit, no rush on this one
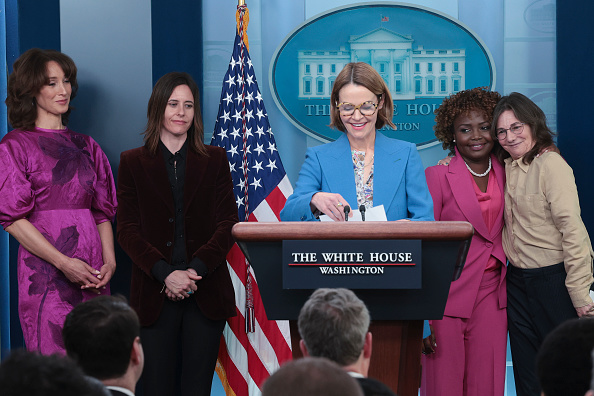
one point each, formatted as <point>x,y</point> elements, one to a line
<point>465,354</point>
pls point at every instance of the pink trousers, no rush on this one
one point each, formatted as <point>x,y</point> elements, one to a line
<point>469,359</point>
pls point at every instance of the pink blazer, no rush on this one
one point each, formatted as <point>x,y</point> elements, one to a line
<point>454,199</point>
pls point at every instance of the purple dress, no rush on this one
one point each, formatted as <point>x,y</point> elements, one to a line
<point>62,183</point>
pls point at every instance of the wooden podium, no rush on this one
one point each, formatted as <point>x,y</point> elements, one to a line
<point>397,314</point>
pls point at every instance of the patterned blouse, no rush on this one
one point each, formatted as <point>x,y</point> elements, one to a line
<point>364,187</point>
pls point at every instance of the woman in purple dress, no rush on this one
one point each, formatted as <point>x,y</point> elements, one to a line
<point>57,198</point>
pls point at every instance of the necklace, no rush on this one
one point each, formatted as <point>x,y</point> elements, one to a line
<point>479,174</point>
<point>359,157</point>
<point>370,162</point>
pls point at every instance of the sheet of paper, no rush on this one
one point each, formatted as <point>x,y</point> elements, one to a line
<point>377,213</point>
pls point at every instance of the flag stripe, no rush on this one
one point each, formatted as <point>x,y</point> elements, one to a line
<point>285,186</point>
<point>231,378</point>
<point>264,329</point>
<point>276,199</point>
<point>272,329</point>
<point>262,213</point>
<point>258,372</point>
<point>257,343</point>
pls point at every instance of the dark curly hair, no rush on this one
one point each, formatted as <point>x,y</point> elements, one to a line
<point>479,99</point>
<point>29,75</point>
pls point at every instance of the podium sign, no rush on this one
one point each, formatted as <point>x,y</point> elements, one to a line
<point>444,245</point>
<point>354,264</point>
<point>397,314</point>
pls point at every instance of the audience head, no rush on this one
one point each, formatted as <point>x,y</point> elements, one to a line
<point>158,103</point>
<point>564,361</point>
<point>478,99</point>
<point>362,74</point>
<point>533,118</point>
<point>30,374</point>
<point>334,324</point>
<point>100,335</point>
<point>311,376</point>
<point>29,75</point>
<point>591,391</point>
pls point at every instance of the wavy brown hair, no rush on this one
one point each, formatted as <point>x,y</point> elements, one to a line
<point>29,75</point>
<point>479,99</point>
<point>529,113</point>
<point>360,73</point>
<point>156,112</point>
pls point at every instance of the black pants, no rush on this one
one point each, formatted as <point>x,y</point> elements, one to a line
<point>180,351</point>
<point>537,302</point>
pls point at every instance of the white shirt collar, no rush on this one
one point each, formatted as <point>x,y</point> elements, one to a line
<point>123,390</point>
<point>354,374</point>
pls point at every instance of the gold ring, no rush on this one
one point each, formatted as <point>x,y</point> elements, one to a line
<point>339,204</point>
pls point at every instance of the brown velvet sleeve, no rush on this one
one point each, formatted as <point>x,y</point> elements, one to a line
<point>224,214</point>
<point>129,234</point>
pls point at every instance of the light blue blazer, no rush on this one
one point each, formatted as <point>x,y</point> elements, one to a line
<point>398,180</point>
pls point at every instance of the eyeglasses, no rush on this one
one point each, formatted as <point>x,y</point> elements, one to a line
<point>516,128</point>
<point>366,108</point>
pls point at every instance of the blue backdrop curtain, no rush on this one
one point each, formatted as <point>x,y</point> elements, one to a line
<point>24,26</point>
<point>177,38</point>
<point>4,273</point>
<point>574,96</point>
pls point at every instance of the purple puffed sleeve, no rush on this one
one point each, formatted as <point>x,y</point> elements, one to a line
<point>16,195</point>
<point>104,201</point>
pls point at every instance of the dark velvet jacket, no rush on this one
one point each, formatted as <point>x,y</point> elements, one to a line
<point>145,227</point>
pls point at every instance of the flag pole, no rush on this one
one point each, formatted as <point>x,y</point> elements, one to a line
<point>245,365</point>
<point>242,16</point>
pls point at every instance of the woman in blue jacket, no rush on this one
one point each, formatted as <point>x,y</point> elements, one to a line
<point>363,166</point>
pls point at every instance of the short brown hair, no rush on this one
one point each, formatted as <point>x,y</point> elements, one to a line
<point>156,112</point>
<point>312,376</point>
<point>29,75</point>
<point>361,73</point>
<point>529,113</point>
<point>479,99</point>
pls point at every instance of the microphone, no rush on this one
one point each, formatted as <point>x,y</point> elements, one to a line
<point>362,210</point>
<point>347,209</point>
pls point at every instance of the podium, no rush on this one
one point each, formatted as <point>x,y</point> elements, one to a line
<point>397,314</point>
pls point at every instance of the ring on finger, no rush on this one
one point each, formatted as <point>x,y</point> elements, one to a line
<point>339,204</point>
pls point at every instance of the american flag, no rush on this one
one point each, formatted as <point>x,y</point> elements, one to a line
<point>252,347</point>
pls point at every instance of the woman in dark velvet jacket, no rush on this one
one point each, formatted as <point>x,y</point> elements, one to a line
<point>174,221</point>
